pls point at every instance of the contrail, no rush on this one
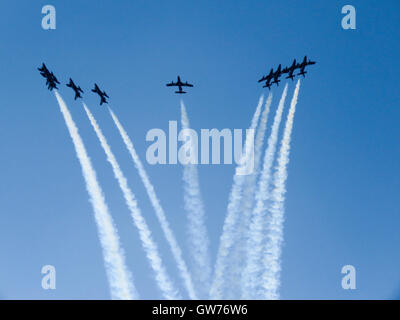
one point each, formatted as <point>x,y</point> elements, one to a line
<point>168,233</point>
<point>271,276</point>
<point>228,232</point>
<point>119,277</point>
<point>197,230</point>
<point>239,249</point>
<point>162,279</point>
<point>252,272</point>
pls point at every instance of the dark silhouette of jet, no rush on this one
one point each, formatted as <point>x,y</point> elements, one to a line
<point>272,75</point>
<point>291,69</point>
<point>179,84</point>
<point>103,95</point>
<point>277,74</point>
<point>268,79</point>
<point>268,85</point>
<point>77,90</point>
<point>51,80</point>
<point>303,65</point>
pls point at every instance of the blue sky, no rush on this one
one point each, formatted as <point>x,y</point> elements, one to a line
<point>343,176</point>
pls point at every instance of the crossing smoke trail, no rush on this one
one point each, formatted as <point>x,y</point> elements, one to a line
<point>119,277</point>
<point>162,279</point>
<point>169,235</point>
<point>253,269</point>
<point>197,230</point>
<point>271,276</point>
<point>239,249</point>
<point>230,224</point>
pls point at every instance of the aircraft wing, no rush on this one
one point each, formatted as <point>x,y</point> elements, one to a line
<point>172,84</point>
<point>263,79</point>
<point>186,85</point>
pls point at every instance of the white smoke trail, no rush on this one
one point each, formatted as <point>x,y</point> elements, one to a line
<point>119,277</point>
<point>168,233</point>
<point>230,224</point>
<point>239,249</point>
<point>271,276</point>
<point>252,272</point>
<point>197,230</point>
<point>162,279</point>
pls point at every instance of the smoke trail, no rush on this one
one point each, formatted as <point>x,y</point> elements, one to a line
<point>162,279</point>
<point>168,233</point>
<point>253,269</point>
<point>239,249</point>
<point>228,232</point>
<point>197,230</point>
<point>119,277</point>
<point>271,276</point>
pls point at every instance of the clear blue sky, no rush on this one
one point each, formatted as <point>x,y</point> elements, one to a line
<point>344,177</point>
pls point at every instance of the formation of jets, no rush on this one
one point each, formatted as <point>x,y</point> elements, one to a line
<point>270,79</point>
<point>179,84</point>
<point>273,76</point>
<point>51,82</point>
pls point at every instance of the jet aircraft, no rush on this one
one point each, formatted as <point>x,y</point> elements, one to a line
<point>277,74</point>
<point>179,84</point>
<point>77,90</point>
<point>51,80</point>
<point>272,75</point>
<point>303,65</point>
<point>291,69</point>
<point>103,95</point>
<point>268,79</point>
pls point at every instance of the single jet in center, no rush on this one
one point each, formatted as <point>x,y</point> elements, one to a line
<point>291,69</point>
<point>103,95</point>
<point>179,84</point>
<point>51,80</point>
<point>277,74</point>
<point>77,90</point>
